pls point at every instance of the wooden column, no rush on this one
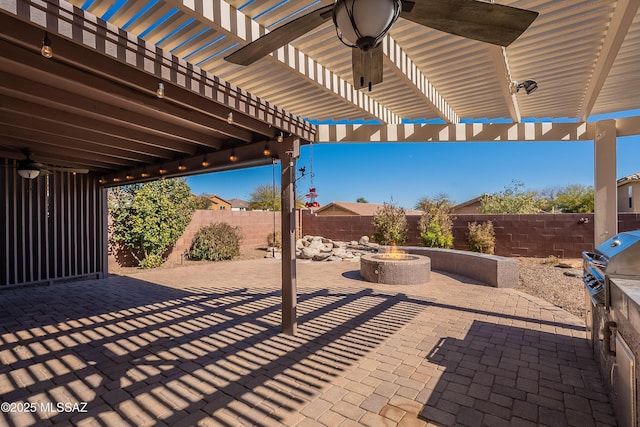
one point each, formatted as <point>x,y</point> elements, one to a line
<point>288,156</point>
<point>606,192</point>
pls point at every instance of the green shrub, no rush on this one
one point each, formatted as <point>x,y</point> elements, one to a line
<point>435,237</point>
<point>151,261</point>
<point>481,237</point>
<point>149,218</point>
<point>274,239</point>
<point>215,242</point>
<point>390,225</point>
<point>436,225</point>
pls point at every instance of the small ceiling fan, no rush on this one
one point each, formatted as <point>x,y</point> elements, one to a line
<point>29,169</point>
<point>362,24</point>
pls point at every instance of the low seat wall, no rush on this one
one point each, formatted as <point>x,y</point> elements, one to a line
<point>497,271</point>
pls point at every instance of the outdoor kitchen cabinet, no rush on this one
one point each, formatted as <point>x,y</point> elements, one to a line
<point>615,337</point>
<point>612,289</point>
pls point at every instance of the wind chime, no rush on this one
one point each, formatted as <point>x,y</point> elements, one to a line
<point>312,195</point>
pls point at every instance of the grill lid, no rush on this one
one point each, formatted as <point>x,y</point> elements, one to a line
<point>623,254</point>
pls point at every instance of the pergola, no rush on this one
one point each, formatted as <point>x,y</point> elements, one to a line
<point>94,105</point>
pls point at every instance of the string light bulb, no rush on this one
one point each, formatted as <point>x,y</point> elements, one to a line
<point>266,150</point>
<point>205,163</point>
<point>182,167</point>
<point>129,176</point>
<point>230,118</point>
<point>162,171</point>
<point>233,156</point>
<point>144,174</point>
<point>160,90</point>
<point>46,50</point>
<point>280,137</point>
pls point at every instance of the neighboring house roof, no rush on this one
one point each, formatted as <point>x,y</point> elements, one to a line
<point>364,209</point>
<point>239,203</point>
<point>630,178</point>
<point>468,203</point>
<point>215,196</point>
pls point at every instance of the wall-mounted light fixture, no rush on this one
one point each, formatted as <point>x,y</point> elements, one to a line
<point>230,118</point>
<point>160,90</point>
<point>529,86</point>
<point>102,180</point>
<point>46,50</point>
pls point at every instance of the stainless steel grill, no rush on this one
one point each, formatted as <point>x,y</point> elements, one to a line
<point>618,257</point>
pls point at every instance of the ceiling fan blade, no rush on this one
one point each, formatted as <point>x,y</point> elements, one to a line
<point>280,36</point>
<point>474,19</point>
<point>367,67</point>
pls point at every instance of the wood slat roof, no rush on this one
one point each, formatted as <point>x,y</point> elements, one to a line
<point>93,104</point>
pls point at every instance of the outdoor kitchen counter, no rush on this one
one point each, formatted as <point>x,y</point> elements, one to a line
<point>630,287</point>
<point>625,299</point>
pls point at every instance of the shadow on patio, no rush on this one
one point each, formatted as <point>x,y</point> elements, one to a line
<point>144,354</point>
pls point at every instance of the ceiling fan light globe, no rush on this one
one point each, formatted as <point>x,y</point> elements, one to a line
<point>27,173</point>
<point>363,23</point>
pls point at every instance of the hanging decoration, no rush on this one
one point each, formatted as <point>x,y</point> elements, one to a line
<point>312,195</point>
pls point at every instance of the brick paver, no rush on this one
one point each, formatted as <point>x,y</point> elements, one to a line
<point>201,345</point>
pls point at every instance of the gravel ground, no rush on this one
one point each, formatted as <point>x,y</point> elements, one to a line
<point>556,281</point>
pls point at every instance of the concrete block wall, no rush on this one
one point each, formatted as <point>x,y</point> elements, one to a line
<point>536,235</point>
<point>255,226</point>
<point>539,235</point>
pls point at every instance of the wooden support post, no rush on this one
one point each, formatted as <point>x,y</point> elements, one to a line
<point>606,191</point>
<point>289,154</point>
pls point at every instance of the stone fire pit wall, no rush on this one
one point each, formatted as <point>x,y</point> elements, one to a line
<point>494,270</point>
<point>410,270</point>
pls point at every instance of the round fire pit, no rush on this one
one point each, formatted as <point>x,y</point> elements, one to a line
<point>404,269</point>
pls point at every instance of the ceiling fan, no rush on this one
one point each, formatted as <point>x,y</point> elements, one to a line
<point>29,169</point>
<point>362,24</point>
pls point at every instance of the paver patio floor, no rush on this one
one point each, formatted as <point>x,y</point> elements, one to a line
<point>201,345</point>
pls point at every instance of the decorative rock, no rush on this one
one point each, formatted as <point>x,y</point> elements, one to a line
<point>316,244</point>
<point>319,248</point>
<point>309,253</point>
<point>321,256</point>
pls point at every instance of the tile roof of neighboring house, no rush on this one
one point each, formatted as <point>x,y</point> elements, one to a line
<point>239,203</point>
<point>364,209</point>
<point>634,177</point>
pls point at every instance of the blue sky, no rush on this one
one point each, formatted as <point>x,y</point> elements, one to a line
<point>405,172</point>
